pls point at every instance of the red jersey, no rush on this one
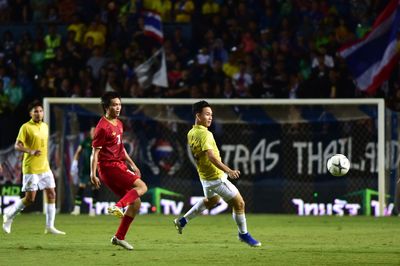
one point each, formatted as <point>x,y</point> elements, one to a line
<point>109,138</point>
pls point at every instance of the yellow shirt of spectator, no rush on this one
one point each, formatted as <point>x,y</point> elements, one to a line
<point>200,140</point>
<point>35,137</point>
<point>98,37</point>
<point>209,8</point>
<point>183,11</point>
<point>79,30</point>
<point>230,69</point>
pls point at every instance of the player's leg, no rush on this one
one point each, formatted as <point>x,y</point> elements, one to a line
<point>95,196</point>
<point>19,206</point>
<point>210,200</point>
<point>78,199</point>
<point>47,183</point>
<point>138,190</point>
<point>124,183</point>
<point>29,186</point>
<point>50,210</point>
<point>238,215</point>
<point>397,197</point>
<point>129,216</point>
<point>232,196</point>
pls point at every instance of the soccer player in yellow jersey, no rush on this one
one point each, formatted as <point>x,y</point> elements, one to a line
<point>32,141</point>
<point>213,175</point>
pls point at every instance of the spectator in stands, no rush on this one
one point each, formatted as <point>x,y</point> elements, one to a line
<point>14,93</point>
<point>227,89</point>
<point>19,10</point>
<point>112,82</point>
<point>66,9</point>
<point>274,38</point>
<point>231,67</point>
<point>209,8</point>
<point>183,11</point>
<point>96,61</point>
<point>320,86</point>
<point>218,52</point>
<point>4,11</point>
<point>4,101</point>
<point>52,41</point>
<point>97,31</point>
<point>78,27</point>
<point>166,10</point>
<point>37,58</point>
<point>242,81</point>
<point>8,44</point>
<point>52,14</point>
<point>39,9</point>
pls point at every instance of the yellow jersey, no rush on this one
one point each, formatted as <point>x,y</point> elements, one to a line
<point>34,136</point>
<point>200,140</point>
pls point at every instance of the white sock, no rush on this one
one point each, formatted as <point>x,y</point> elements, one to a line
<point>15,209</point>
<point>198,208</point>
<point>50,214</point>
<point>240,220</point>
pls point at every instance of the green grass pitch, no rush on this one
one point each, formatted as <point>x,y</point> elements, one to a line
<point>207,240</point>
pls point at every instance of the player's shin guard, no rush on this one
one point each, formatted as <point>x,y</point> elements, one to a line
<point>198,208</point>
<point>14,210</point>
<point>128,199</point>
<point>123,227</point>
<point>240,220</point>
<point>79,196</point>
<point>50,214</point>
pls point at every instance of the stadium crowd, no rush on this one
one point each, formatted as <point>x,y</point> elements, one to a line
<point>214,48</point>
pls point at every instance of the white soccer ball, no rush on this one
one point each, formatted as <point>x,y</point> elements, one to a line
<point>338,165</point>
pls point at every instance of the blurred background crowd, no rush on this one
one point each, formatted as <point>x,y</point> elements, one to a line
<point>214,49</point>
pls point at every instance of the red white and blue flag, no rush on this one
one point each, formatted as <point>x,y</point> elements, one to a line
<point>153,25</point>
<point>154,70</point>
<point>371,59</point>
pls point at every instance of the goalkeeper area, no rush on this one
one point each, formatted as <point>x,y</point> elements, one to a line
<point>207,240</point>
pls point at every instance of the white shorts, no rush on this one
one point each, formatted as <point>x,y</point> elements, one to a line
<point>221,187</point>
<point>34,182</point>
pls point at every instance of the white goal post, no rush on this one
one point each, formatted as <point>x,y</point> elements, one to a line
<point>379,103</point>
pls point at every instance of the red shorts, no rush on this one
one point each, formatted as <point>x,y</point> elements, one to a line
<point>117,177</point>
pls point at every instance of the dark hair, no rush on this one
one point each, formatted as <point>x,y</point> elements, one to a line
<point>107,97</point>
<point>198,107</point>
<point>34,104</point>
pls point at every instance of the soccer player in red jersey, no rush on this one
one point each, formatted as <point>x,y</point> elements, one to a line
<point>109,158</point>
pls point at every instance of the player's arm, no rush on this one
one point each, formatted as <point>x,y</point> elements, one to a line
<point>19,146</point>
<point>74,165</point>
<point>131,164</point>
<point>220,165</point>
<point>77,153</point>
<point>94,158</point>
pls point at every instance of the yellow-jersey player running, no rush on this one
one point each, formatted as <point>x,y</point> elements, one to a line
<point>32,141</point>
<point>213,175</point>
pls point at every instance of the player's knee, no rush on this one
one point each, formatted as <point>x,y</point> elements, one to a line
<point>142,190</point>
<point>211,202</point>
<point>239,205</point>
<point>29,200</point>
<point>51,195</point>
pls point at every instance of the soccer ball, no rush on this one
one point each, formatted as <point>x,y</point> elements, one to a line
<point>338,165</point>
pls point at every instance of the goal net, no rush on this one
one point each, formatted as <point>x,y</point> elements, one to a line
<point>280,146</point>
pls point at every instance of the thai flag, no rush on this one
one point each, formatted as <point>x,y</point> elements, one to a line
<point>372,58</point>
<point>153,25</point>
